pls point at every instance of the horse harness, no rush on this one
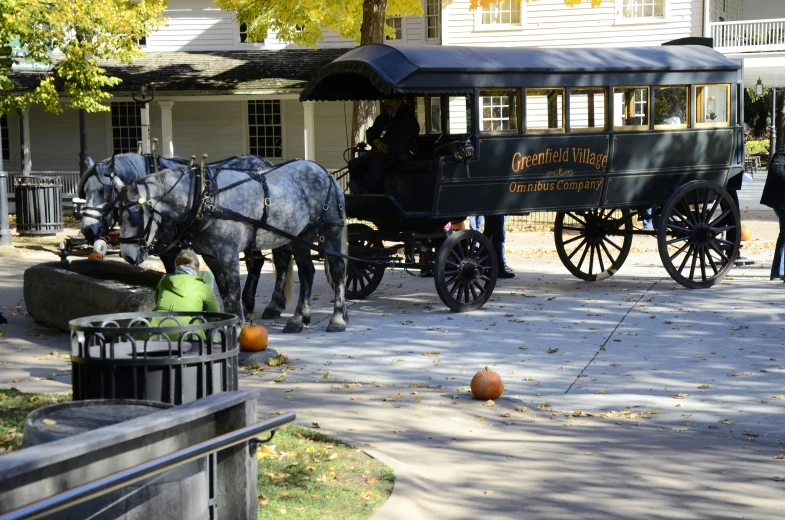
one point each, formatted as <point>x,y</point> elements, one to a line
<point>205,205</point>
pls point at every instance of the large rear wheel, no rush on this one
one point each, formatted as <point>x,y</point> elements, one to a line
<point>592,244</point>
<point>698,236</point>
<point>465,270</point>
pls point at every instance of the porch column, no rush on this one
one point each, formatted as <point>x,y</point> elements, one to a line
<point>5,231</point>
<point>773,143</point>
<point>167,141</point>
<point>27,161</point>
<point>310,125</point>
<point>145,117</point>
<point>706,18</point>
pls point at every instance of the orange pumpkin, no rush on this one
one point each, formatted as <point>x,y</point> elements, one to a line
<point>95,256</point>
<point>253,338</point>
<point>487,384</point>
<point>746,233</point>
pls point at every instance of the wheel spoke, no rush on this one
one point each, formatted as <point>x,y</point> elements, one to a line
<point>686,257</point>
<point>724,258</point>
<point>591,260</point>
<point>681,217</point>
<point>678,252</point>
<point>479,287</point>
<point>712,210</point>
<point>711,261</point>
<point>599,258</point>
<point>573,239</point>
<point>678,239</point>
<point>583,256</point>
<point>703,263</point>
<point>611,242</point>
<point>455,288</point>
<point>687,211</point>
<point>608,253</point>
<point>721,217</point>
<point>705,204</point>
<point>572,228</point>
<point>694,263</point>
<point>577,249</point>
<point>451,280</point>
<point>575,217</point>
<point>473,290</point>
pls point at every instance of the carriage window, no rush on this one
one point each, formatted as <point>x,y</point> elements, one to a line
<point>630,108</point>
<point>429,114</point>
<point>460,119</point>
<point>588,110</point>
<point>712,105</point>
<point>499,111</point>
<point>670,107</point>
<point>126,126</point>
<point>265,129</point>
<point>544,109</point>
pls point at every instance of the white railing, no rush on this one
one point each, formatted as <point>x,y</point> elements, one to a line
<point>749,36</point>
<point>70,180</point>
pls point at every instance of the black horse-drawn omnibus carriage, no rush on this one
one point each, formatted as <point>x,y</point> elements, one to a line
<point>596,135</point>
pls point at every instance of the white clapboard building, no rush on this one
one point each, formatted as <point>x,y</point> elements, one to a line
<point>217,94</point>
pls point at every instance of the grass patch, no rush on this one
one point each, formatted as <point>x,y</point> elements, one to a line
<point>307,475</point>
<point>14,407</point>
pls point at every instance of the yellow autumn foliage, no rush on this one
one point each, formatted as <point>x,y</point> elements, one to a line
<point>73,35</point>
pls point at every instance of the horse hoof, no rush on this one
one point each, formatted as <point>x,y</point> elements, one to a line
<point>292,327</point>
<point>270,314</point>
<point>336,327</point>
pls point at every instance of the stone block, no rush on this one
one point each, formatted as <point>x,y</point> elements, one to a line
<point>56,293</point>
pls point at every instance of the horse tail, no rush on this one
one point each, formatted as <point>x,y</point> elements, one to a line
<point>288,283</point>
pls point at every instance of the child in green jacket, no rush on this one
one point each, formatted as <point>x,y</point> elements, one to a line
<point>186,290</point>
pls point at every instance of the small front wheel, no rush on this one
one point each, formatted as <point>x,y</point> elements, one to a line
<point>465,271</point>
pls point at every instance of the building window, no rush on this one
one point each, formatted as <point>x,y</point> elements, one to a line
<point>671,107</point>
<point>637,9</point>
<point>126,127</point>
<point>544,110</point>
<point>6,142</point>
<point>396,23</point>
<point>433,23</point>
<point>499,111</point>
<point>265,129</point>
<point>243,32</point>
<point>631,108</point>
<point>504,12</point>
<point>142,41</point>
<point>712,105</point>
<point>588,110</point>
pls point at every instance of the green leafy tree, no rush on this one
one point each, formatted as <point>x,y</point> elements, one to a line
<point>68,37</point>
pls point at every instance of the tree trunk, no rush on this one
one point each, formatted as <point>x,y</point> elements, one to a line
<point>371,31</point>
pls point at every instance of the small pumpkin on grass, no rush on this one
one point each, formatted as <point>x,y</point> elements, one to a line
<point>253,338</point>
<point>487,384</point>
<point>746,233</point>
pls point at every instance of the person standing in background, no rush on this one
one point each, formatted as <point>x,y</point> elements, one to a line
<point>774,197</point>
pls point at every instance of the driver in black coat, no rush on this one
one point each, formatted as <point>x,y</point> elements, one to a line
<point>392,137</point>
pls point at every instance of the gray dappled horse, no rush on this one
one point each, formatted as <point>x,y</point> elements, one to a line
<point>298,198</point>
<point>102,182</point>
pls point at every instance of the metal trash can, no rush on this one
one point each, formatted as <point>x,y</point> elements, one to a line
<point>171,357</point>
<point>178,493</point>
<point>39,205</point>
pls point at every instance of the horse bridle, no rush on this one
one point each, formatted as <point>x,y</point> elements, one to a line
<point>135,211</point>
<point>111,193</point>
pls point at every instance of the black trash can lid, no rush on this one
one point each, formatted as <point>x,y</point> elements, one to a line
<point>62,420</point>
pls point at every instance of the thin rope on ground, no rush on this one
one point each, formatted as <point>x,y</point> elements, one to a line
<point>611,334</point>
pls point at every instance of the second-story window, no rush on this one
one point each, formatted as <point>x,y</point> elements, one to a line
<point>642,9</point>
<point>433,14</point>
<point>396,22</point>
<point>126,127</point>
<point>265,129</point>
<point>504,12</point>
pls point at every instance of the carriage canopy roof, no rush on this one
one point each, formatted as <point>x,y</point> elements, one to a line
<point>374,71</point>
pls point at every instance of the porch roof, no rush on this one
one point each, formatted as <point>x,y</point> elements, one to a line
<point>210,71</point>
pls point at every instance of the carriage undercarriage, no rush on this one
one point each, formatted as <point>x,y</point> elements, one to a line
<point>696,230</point>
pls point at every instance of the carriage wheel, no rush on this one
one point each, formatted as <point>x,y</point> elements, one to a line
<point>465,270</point>
<point>698,235</point>
<point>362,278</point>
<point>583,244</point>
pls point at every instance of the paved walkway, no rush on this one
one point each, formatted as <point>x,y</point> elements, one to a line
<point>627,398</point>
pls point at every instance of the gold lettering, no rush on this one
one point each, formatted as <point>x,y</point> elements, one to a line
<point>516,161</point>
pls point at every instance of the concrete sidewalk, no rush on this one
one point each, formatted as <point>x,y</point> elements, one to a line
<point>627,398</point>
